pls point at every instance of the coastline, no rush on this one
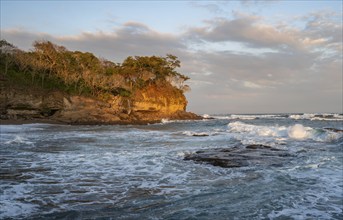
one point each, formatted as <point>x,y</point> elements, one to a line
<point>57,122</point>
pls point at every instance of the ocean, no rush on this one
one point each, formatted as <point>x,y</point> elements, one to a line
<point>53,171</point>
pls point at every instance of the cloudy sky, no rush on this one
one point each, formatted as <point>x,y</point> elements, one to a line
<point>242,56</point>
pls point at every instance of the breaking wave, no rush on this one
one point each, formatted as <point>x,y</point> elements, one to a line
<point>244,116</point>
<point>18,140</point>
<point>318,117</point>
<point>198,134</point>
<point>302,116</point>
<point>297,131</point>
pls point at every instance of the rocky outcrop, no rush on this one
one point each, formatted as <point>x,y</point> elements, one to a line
<point>21,104</point>
<point>334,130</point>
<point>241,156</point>
<point>146,106</point>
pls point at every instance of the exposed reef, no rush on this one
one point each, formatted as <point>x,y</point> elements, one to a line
<point>241,156</point>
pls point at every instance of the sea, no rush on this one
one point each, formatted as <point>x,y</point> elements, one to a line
<point>50,171</point>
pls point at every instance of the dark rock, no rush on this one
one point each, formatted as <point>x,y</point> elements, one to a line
<point>183,115</point>
<point>258,146</point>
<point>200,135</point>
<point>334,130</point>
<point>243,156</point>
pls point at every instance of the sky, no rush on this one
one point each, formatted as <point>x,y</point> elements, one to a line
<point>242,56</point>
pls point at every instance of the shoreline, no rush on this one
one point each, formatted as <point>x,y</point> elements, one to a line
<point>56,122</point>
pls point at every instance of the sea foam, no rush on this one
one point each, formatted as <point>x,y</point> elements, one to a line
<point>18,140</point>
<point>297,131</point>
<point>317,117</point>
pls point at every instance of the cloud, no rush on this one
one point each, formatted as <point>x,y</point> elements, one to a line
<point>256,2</point>
<point>251,31</point>
<point>322,29</point>
<point>216,7</point>
<point>225,7</point>
<point>132,38</point>
<point>23,39</point>
<point>296,69</point>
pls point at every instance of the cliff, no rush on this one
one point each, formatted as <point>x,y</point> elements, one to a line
<point>149,105</point>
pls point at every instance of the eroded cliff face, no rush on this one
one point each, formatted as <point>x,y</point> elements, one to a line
<point>150,104</point>
<point>165,100</point>
<point>22,104</point>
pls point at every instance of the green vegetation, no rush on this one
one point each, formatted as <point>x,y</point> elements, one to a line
<point>50,66</point>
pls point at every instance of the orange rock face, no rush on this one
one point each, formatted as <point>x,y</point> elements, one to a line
<point>151,104</point>
<point>165,100</point>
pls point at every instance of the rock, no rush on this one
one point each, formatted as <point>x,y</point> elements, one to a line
<point>334,130</point>
<point>150,106</point>
<point>182,115</point>
<point>200,135</point>
<point>23,114</point>
<point>243,156</point>
<point>124,116</point>
<point>162,99</point>
<point>53,101</point>
<point>260,146</point>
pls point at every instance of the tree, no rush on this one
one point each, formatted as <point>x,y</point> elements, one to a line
<point>6,51</point>
<point>25,62</point>
<point>172,61</point>
<point>83,71</point>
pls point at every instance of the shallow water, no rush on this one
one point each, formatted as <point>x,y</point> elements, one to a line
<point>138,172</point>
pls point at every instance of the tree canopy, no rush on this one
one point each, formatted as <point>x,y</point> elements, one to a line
<point>84,72</point>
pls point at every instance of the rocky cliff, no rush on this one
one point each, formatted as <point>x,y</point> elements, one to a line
<point>151,104</point>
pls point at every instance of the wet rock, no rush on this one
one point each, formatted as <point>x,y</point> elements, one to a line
<point>200,135</point>
<point>183,115</point>
<point>241,156</point>
<point>334,130</point>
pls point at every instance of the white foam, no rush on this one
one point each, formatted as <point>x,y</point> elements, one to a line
<point>243,117</point>
<point>206,116</point>
<point>297,131</point>
<point>317,117</point>
<point>258,130</point>
<point>165,121</point>
<point>192,133</point>
<point>18,140</point>
<point>301,116</point>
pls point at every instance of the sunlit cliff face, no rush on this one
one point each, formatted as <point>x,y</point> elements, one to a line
<point>152,103</point>
<point>166,100</point>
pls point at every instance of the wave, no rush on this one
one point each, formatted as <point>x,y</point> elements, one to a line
<point>196,134</point>
<point>301,116</point>
<point>18,140</point>
<point>167,121</point>
<point>206,116</point>
<point>244,117</point>
<point>321,117</point>
<point>297,131</point>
